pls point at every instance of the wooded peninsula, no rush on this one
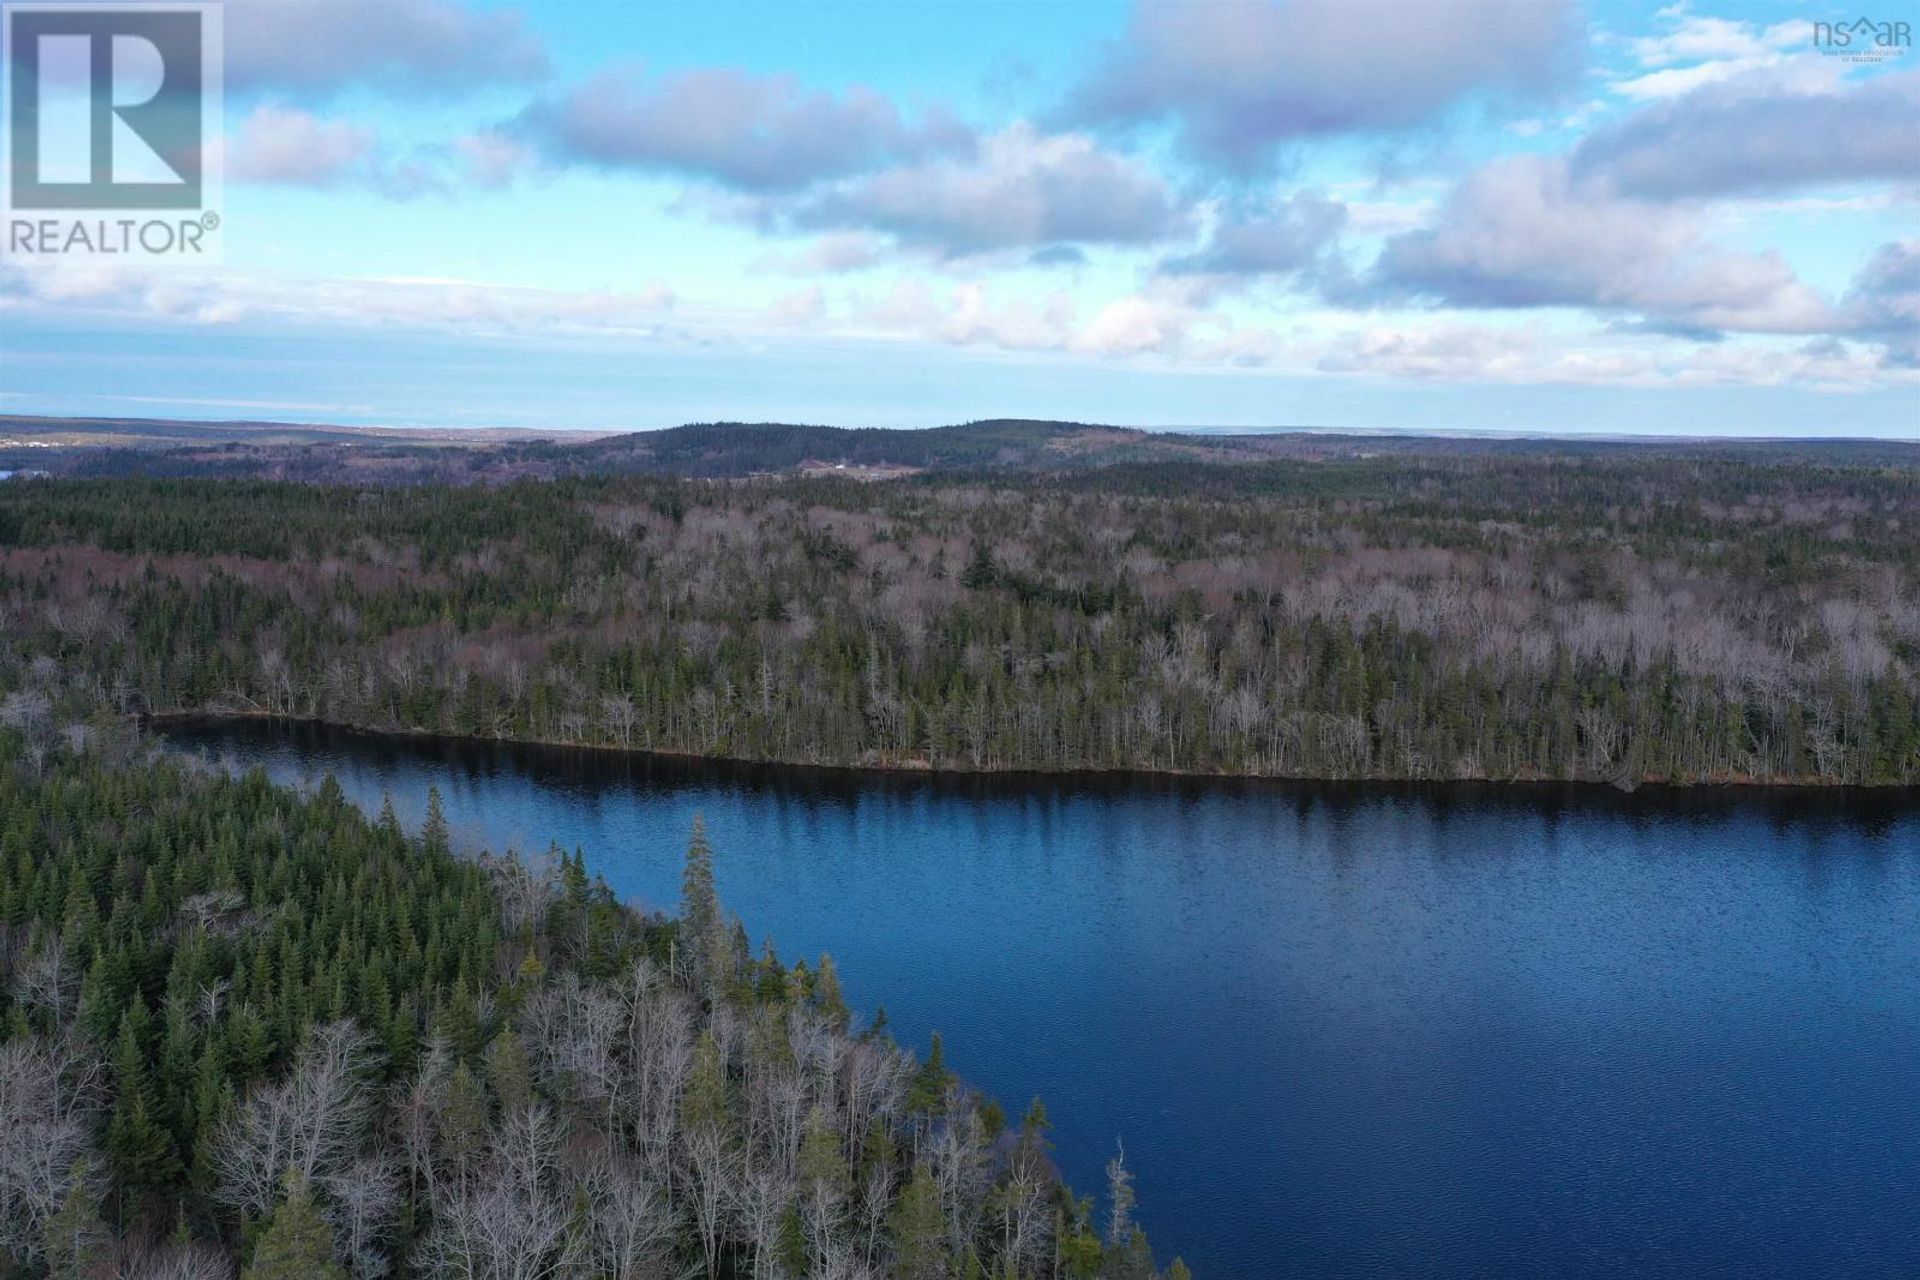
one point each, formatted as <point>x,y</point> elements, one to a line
<point>244,1025</point>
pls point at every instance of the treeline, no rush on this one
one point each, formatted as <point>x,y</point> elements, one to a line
<point>1619,616</point>
<point>247,1031</point>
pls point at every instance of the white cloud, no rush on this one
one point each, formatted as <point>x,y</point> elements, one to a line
<point>806,306</point>
<point>749,132</point>
<point>288,146</point>
<point>414,47</point>
<point>1523,232</point>
<point>1697,38</point>
<point>226,297</point>
<point>1024,189</point>
<point>1455,351</point>
<point>1241,80</point>
<point>1388,217</point>
<point>1135,324</point>
<point>1754,135</point>
<point>973,314</point>
<point>830,254</point>
<point>492,159</point>
<point>277,145</point>
<point>1696,51</point>
<point>1446,351</point>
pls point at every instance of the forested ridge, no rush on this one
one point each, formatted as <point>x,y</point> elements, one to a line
<point>1612,616</point>
<point>246,1030</point>
<point>106,447</point>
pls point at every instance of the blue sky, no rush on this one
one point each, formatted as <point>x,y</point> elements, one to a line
<point>1506,214</point>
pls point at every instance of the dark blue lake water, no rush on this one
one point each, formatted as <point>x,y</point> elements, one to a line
<point>1343,1031</point>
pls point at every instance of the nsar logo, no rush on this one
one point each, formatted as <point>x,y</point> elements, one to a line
<point>1863,39</point>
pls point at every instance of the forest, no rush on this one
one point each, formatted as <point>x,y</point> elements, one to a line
<point>1619,614</point>
<point>250,1031</point>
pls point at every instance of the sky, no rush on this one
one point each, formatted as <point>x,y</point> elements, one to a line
<point>1518,215</point>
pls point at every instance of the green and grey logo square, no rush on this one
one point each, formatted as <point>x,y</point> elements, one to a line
<point>111,109</point>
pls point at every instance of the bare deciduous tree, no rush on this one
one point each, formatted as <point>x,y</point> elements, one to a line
<point>309,1123</point>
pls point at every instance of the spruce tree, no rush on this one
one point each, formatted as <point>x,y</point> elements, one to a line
<point>508,1071</point>
<point>388,822</point>
<point>792,1242</point>
<point>703,928</point>
<point>703,1104</point>
<point>435,836</point>
<point>929,1092</point>
<point>463,1116</point>
<point>827,996</point>
<point>919,1230</point>
<point>139,1148</point>
<point>298,1243</point>
<point>980,572</point>
<point>77,1243</point>
<point>699,901</point>
<point>823,1170</point>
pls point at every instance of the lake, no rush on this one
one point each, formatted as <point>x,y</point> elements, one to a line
<point>1341,1030</point>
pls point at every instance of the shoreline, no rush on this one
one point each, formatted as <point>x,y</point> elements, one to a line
<point>921,769</point>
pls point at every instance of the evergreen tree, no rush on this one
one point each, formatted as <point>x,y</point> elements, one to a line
<point>298,1243</point>
<point>929,1092</point>
<point>508,1071</point>
<point>704,1103</point>
<point>823,1170</point>
<point>993,1118</point>
<point>463,1116</point>
<point>699,899</point>
<point>827,996</point>
<point>77,1243</point>
<point>792,1242</point>
<point>1132,1259</point>
<point>703,926</point>
<point>435,836</point>
<point>919,1230</point>
<point>980,572</point>
<point>139,1148</point>
<point>388,822</point>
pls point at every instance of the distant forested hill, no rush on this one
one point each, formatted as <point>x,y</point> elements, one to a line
<point>733,449</point>
<point>106,447</point>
